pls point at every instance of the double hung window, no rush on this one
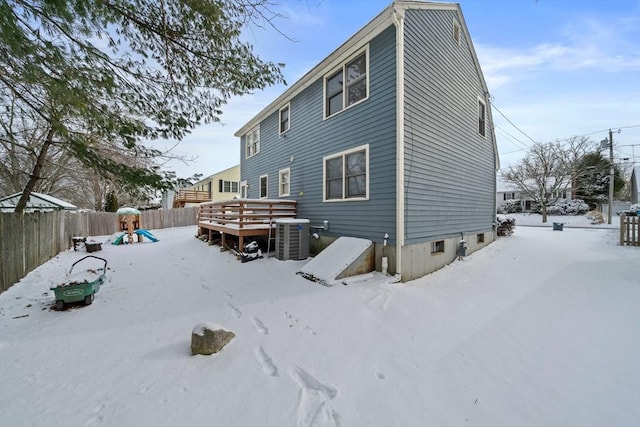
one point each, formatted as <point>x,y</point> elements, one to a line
<point>252,142</point>
<point>348,85</point>
<point>284,182</point>
<point>285,121</point>
<point>346,175</point>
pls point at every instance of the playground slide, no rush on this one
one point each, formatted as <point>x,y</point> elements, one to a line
<point>119,239</point>
<point>144,233</point>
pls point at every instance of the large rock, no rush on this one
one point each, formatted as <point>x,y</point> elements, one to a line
<point>207,338</point>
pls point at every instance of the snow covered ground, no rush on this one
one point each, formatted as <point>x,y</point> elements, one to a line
<point>541,328</point>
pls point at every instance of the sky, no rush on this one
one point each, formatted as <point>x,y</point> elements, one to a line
<point>492,340</point>
<point>554,68</point>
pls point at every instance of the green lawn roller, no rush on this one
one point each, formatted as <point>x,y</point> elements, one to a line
<point>80,286</point>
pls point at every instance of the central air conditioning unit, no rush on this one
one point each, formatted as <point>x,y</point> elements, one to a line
<point>292,239</point>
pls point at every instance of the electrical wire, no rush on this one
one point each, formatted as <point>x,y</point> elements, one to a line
<point>493,105</point>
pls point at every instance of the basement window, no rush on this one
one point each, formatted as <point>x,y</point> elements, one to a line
<point>480,238</point>
<point>437,247</point>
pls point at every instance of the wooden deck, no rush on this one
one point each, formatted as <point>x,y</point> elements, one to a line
<point>190,196</point>
<point>243,217</point>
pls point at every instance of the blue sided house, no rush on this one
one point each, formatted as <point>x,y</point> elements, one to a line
<point>389,138</point>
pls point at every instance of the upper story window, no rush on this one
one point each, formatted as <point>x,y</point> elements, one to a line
<point>285,122</point>
<point>482,115</point>
<point>346,175</point>
<point>252,142</point>
<point>284,182</point>
<point>348,85</point>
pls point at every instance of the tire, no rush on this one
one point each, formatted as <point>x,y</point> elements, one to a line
<point>60,304</point>
<point>88,299</point>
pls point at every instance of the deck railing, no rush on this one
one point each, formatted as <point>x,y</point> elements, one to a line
<point>629,230</point>
<point>191,196</point>
<point>246,213</point>
<point>244,217</point>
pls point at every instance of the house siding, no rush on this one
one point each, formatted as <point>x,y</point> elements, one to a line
<point>449,167</point>
<point>312,137</point>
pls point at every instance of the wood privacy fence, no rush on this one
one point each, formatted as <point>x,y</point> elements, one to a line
<point>31,239</point>
<point>629,230</point>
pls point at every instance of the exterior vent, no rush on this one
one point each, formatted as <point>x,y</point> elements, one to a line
<point>292,239</point>
<point>456,32</point>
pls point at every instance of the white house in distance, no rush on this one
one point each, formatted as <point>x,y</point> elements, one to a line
<point>37,202</point>
<point>507,192</point>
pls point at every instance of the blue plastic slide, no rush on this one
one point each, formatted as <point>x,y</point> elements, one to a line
<point>144,233</point>
<point>119,239</point>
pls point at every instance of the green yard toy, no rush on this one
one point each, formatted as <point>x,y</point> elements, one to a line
<point>81,285</point>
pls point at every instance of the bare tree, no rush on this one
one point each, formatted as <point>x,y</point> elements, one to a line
<point>547,170</point>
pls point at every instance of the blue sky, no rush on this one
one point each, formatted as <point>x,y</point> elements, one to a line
<point>555,69</point>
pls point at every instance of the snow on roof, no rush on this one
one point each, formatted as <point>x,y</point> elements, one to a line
<point>36,201</point>
<point>504,186</point>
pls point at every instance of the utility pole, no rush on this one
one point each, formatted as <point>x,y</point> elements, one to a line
<point>603,144</point>
<point>611,177</point>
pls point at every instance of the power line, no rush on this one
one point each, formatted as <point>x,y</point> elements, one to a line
<point>599,131</point>
<point>512,124</point>
<point>512,139</point>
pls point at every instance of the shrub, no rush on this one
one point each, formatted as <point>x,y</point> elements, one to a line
<point>595,216</point>
<point>567,207</point>
<point>505,225</point>
<point>510,206</point>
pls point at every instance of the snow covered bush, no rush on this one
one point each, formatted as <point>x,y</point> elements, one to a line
<point>505,225</point>
<point>568,207</point>
<point>510,206</point>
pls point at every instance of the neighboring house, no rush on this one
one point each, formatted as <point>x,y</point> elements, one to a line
<point>224,185</point>
<point>390,135</point>
<point>635,185</point>
<point>507,193</point>
<point>37,202</point>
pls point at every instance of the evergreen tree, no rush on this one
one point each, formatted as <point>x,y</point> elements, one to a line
<point>111,204</point>
<point>109,75</point>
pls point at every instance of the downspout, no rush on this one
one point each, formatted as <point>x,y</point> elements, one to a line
<point>398,17</point>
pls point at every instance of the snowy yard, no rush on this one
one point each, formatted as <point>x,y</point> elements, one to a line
<point>539,329</point>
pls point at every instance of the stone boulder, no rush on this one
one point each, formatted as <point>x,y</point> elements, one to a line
<point>207,338</point>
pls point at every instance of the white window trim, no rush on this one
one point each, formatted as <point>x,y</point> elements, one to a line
<point>244,189</point>
<point>481,101</point>
<point>260,187</point>
<point>344,91</point>
<point>255,129</point>
<point>324,176</point>
<point>285,107</point>
<point>280,173</point>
